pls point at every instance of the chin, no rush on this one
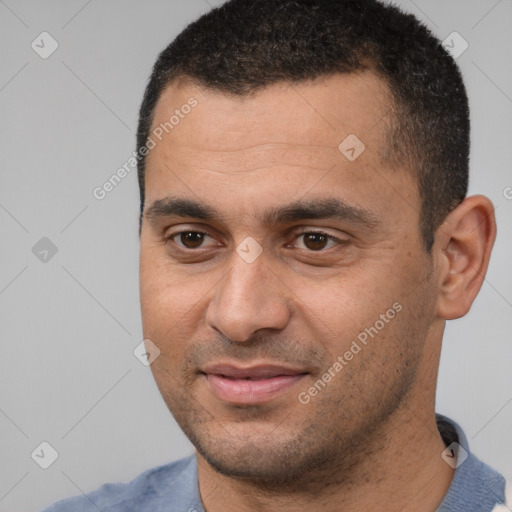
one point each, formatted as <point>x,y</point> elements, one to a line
<point>272,458</point>
<point>260,464</point>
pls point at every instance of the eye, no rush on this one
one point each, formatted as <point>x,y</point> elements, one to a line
<point>317,240</point>
<point>190,239</point>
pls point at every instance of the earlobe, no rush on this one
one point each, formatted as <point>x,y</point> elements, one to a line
<point>463,244</point>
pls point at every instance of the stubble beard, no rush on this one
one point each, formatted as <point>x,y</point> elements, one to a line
<point>295,457</point>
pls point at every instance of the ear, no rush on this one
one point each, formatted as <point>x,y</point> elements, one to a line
<point>462,247</point>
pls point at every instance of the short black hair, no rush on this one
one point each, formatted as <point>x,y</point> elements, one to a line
<point>245,45</point>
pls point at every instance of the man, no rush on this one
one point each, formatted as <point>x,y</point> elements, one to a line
<point>305,234</point>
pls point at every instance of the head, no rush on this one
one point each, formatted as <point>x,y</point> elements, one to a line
<point>306,207</point>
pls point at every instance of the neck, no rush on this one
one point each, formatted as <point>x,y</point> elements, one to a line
<point>400,467</point>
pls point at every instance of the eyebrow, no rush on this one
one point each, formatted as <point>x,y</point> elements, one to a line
<point>324,208</point>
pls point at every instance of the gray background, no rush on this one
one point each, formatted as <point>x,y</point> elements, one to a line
<point>69,326</point>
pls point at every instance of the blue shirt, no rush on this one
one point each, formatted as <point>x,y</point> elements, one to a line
<point>174,487</point>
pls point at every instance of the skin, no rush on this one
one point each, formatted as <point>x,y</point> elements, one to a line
<point>369,438</point>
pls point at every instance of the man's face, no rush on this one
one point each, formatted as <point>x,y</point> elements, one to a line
<point>286,252</point>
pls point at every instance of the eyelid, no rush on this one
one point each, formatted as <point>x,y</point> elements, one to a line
<point>320,231</point>
<point>304,231</point>
<point>184,228</point>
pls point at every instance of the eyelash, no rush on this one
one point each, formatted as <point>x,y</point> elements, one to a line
<point>296,236</point>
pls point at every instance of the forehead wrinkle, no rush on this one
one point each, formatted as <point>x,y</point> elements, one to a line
<point>255,169</point>
<point>290,144</point>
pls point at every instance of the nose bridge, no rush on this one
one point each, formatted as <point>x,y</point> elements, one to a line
<point>247,299</point>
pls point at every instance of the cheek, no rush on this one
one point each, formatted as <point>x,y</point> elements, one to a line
<point>166,294</point>
<point>361,316</point>
<point>173,309</point>
<point>346,304</point>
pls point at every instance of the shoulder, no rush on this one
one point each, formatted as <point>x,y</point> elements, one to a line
<point>475,485</point>
<point>174,483</point>
<point>506,506</point>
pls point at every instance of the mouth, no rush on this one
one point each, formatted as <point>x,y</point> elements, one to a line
<point>250,385</point>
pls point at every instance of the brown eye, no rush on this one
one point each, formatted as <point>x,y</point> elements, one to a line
<point>189,239</point>
<point>191,245</point>
<point>315,241</point>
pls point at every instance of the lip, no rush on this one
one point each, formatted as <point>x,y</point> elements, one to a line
<point>250,385</point>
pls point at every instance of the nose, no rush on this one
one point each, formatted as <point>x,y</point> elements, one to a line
<point>248,298</point>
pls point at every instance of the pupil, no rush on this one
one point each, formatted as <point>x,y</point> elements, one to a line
<point>192,239</point>
<point>317,241</point>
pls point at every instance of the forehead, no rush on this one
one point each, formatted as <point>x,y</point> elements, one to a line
<point>318,113</point>
<point>245,153</point>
